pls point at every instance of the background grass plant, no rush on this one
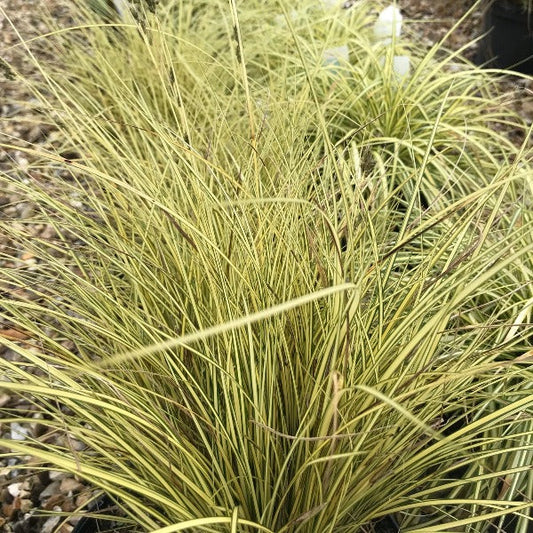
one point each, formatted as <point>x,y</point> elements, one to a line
<point>296,297</point>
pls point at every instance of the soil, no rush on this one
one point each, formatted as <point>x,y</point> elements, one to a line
<point>24,494</point>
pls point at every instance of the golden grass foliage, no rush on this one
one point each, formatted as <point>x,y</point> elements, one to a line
<point>297,296</point>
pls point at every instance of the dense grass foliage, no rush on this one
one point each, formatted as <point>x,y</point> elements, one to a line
<point>283,296</point>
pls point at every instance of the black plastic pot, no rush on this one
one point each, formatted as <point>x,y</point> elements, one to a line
<point>509,41</point>
<point>387,524</point>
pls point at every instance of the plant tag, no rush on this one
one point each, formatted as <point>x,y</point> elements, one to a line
<point>388,25</point>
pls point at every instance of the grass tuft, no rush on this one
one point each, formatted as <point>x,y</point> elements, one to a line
<point>280,296</point>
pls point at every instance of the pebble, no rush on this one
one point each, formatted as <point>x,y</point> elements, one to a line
<point>57,476</point>
<point>4,399</point>
<point>15,489</point>
<point>70,485</point>
<point>50,490</point>
<point>19,432</point>
<point>50,524</point>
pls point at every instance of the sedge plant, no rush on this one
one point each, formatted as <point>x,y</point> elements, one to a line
<point>280,295</point>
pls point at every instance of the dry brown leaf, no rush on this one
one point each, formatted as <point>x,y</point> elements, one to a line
<point>14,334</point>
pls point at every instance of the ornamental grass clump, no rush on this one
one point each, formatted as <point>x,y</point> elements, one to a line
<point>281,296</point>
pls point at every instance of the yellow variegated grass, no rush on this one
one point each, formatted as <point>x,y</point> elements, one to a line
<point>282,297</point>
